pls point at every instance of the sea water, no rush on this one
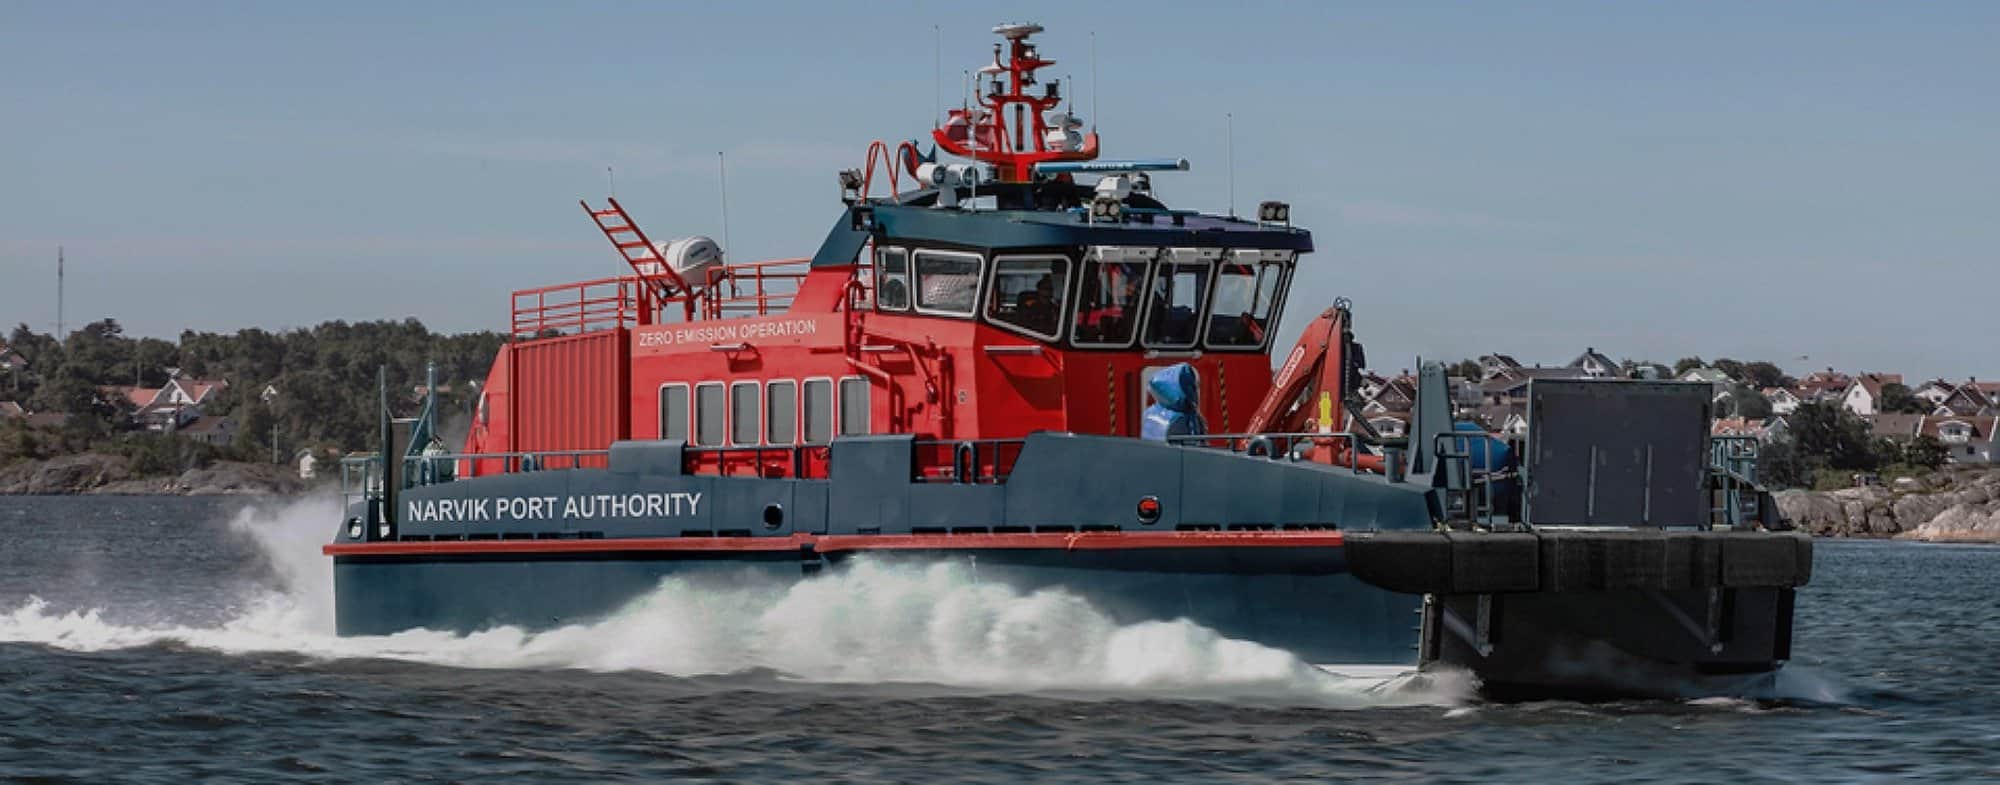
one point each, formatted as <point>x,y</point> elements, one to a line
<point>158,639</point>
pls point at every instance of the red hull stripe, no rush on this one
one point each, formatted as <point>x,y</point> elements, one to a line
<point>836,543</point>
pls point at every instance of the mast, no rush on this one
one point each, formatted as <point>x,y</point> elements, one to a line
<point>59,292</point>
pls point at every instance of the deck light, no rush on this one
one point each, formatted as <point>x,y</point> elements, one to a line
<point>1106,208</point>
<point>354,528</point>
<point>1149,510</point>
<point>1274,213</point>
<point>850,186</point>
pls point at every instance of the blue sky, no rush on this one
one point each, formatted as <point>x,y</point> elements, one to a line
<point>1812,183</point>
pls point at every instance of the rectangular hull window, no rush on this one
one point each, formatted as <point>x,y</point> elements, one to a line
<point>1173,318</point>
<point>1028,293</point>
<point>708,415</point>
<point>1109,298</point>
<point>674,412</point>
<point>819,411</point>
<point>947,283</point>
<point>743,422</point>
<point>853,406</point>
<point>892,280</point>
<point>1245,301</point>
<point>781,413</point>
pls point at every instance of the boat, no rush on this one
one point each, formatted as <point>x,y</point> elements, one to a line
<point>1012,351</point>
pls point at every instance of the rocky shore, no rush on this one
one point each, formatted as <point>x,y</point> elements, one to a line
<point>96,473</point>
<point>1955,505</point>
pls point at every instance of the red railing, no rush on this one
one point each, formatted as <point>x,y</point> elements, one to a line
<point>581,307</point>
<point>797,461</point>
<point>752,289</point>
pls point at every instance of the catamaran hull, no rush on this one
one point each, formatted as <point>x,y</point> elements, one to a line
<point>1293,599</point>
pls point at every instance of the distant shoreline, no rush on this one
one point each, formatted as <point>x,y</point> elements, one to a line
<point>101,474</point>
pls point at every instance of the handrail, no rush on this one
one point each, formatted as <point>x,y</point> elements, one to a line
<point>971,461</point>
<point>1280,445</point>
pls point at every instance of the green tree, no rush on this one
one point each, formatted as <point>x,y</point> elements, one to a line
<point>1926,451</point>
<point>1896,397</point>
<point>1827,435</point>
<point>1748,403</point>
<point>1764,374</point>
<point>1780,466</point>
<point>1685,364</point>
<point>1731,367</point>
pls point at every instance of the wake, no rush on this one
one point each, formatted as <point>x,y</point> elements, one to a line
<point>871,622</point>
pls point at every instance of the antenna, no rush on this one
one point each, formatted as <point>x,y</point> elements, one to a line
<point>613,180</point>
<point>937,75</point>
<point>722,180</point>
<point>1229,141</point>
<point>1093,81</point>
<point>59,292</point>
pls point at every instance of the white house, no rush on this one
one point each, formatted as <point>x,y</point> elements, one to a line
<point>1864,397</point>
<point>1715,377</point>
<point>1967,439</point>
<point>1783,401</point>
<point>1594,364</point>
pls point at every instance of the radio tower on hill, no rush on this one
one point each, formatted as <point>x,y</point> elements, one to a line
<point>59,293</point>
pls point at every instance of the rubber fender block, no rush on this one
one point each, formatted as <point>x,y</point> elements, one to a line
<point>1572,562</point>
<point>1804,546</point>
<point>1490,562</point>
<point>1635,560</point>
<point>1760,560</point>
<point>1407,562</point>
<point>1690,560</point>
<point>1704,559</point>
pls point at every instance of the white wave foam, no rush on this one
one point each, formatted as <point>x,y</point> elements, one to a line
<point>867,623</point>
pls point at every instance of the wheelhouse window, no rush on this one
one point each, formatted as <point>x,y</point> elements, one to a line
<point>1248,285</point>
<point>781,412</point>
<point>818,411</point>
<point>1027,294</point>
<point>892,279</point>
<point>743,421</point>
<point>1173,318</point>
<point>1108,297</point>
<point>674,412</point>
<point>947,282</point>
<point>708,414</point>
<point>854,406</point>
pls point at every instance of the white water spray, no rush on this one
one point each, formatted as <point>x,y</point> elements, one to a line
<point>871,622</point>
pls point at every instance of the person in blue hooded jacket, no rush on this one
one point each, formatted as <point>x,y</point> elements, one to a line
<point>1176,409</point>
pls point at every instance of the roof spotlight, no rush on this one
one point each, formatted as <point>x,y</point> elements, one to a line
<point>850,185</point>
<point>1106,208</point>
<point>1274,212</point>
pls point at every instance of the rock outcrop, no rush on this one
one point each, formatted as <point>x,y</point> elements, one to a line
<point>96,473</point>
<point>1955,505</point>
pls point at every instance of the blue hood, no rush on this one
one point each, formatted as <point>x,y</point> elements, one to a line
<point>1177,387</point>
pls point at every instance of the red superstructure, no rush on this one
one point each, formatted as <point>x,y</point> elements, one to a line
<point>758,366</point>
